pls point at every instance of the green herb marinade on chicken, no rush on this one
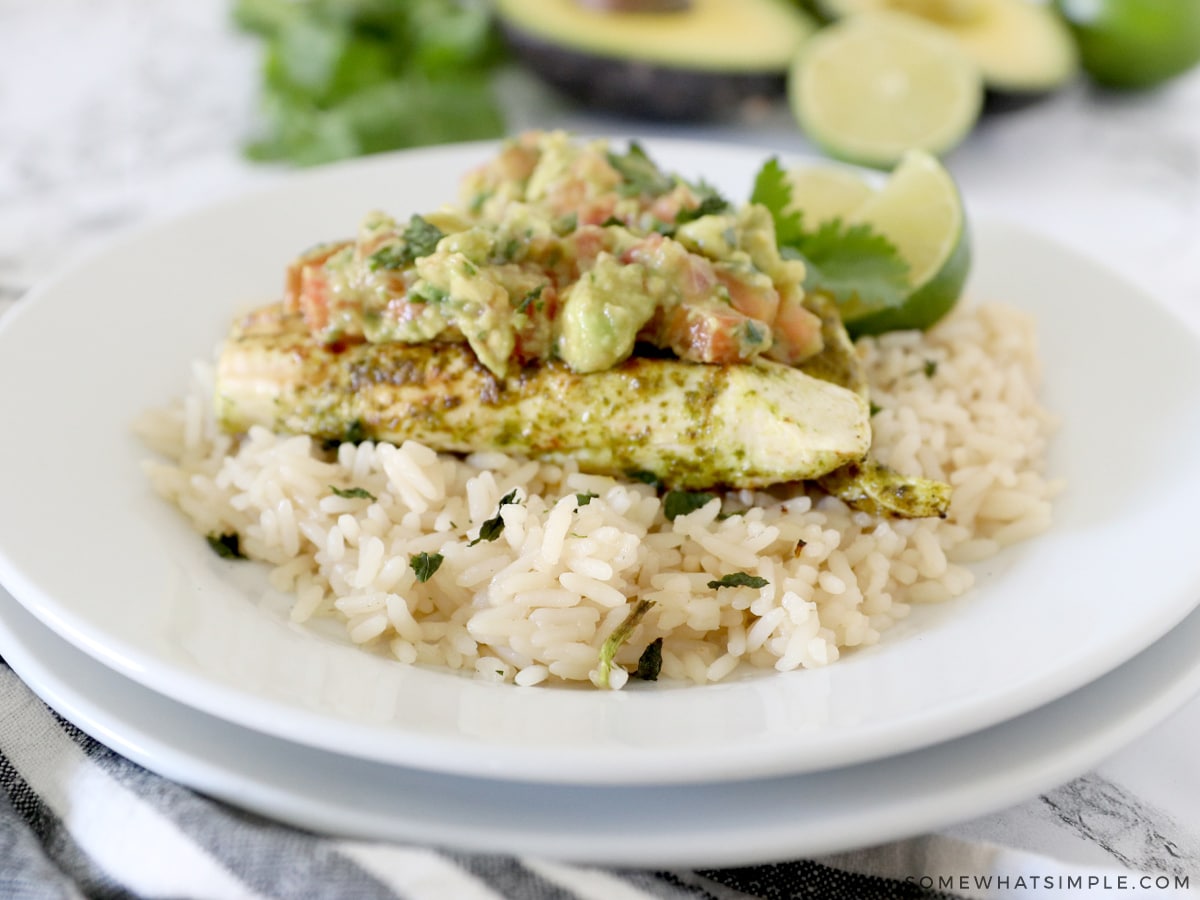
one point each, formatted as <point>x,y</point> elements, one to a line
<point>578,305</point>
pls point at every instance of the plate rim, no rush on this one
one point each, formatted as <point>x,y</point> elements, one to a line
<point>987,787</point>
<point>431,750</point>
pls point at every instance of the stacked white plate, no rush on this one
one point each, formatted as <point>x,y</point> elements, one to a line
<point>124,621</point>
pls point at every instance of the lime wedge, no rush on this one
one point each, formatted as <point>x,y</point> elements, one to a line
<point>1134,43</point>
<point>823,193</point>
<point>872,86</point>
<point>920,211</point>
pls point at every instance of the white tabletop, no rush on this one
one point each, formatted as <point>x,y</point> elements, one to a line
<point>116,112</point>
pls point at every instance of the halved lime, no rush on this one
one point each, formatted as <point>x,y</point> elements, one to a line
<point>872,86</point>
<point>1022,48</point>
<point>921,212</point>
<point>1135,43</point>
<point>823,193</point>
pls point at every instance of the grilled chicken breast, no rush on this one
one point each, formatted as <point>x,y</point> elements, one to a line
<point>691,425</point>
<point>866,484</point>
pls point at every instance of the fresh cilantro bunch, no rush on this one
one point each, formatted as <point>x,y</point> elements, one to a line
<point>858,267</point>
<point>345,78</point>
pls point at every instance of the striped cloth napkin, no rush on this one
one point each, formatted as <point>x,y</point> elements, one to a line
<point>78,820</point>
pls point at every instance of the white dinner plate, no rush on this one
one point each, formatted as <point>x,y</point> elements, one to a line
<point>88,548</point>
<point>719,824</point>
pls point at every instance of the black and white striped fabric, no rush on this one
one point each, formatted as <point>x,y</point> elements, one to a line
<point>77,820</point>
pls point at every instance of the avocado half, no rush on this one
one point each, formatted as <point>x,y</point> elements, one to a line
<point>696,61</point>
<point>1023,48</point>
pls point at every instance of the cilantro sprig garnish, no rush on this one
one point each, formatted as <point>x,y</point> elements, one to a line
<point>649,665</point>
<point>226,545</point>
<point>608,650</point>
<point>680,503</point>
<point>494,527</point>
<point>424,565</point>
<point>858,267</point>
<point>644,477</point>
<point>739,579</point>
<point>353,493</point>
<point>773,190</point>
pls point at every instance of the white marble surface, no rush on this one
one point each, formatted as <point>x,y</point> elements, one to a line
<point>114,113</point>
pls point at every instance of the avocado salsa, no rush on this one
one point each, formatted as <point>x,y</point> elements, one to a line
<point>569,251</point>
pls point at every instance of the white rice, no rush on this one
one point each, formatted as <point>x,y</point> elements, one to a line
<point>535,605</point>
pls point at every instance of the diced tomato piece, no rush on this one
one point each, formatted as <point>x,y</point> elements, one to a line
<point>666,207</point>
<point>697,278</point>
<point>565,197</point>
<point>597,210</point>
<point>712,334</point>
<point>293,283</point>
<point>291,287</point>
<point>516,162</point>
<point>797,331</point>
<point>643,251</point>
<point>757,299</point>
<point>512,165</point>
<point>313,298</point>
<point>586,244</point>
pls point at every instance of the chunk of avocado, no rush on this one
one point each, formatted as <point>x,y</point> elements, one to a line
<point>691,61</point>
